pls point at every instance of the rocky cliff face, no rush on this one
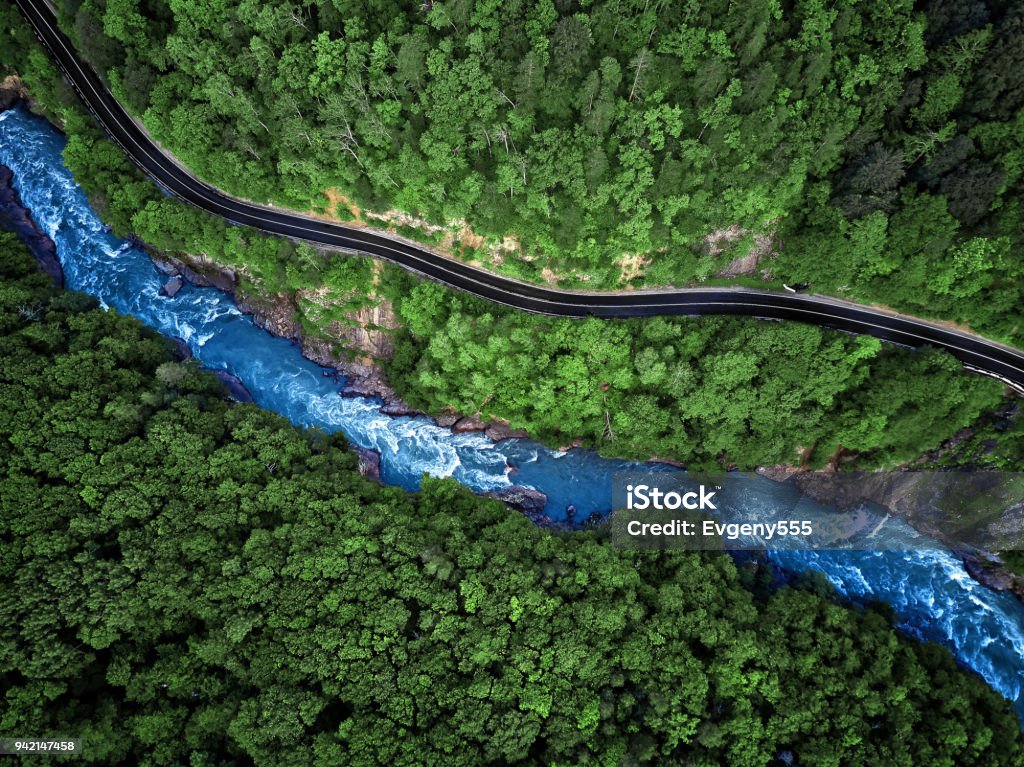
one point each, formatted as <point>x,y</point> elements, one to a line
<point>354,348</point>
<point>991,571</point>
<point>15,217</point>
<point>365,335</point>
<point>12,90</point>
<point>370,333</point>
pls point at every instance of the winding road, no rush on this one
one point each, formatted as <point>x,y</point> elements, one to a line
<point>975,353</point>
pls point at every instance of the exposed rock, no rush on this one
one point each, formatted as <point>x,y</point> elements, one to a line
<point>15,217</point>
<point>369,462</point>
<point>198,271</point>
<point>933,502</point>
<point>990,571</point>
<point>668,461</point>
<point>370,331</point>
<point>165,265</point>
<point>761,247</point>
<point>236,389</point>
<point>398,409</point>
<point>12,90</point>
<point>448,420</point>
<point>468,424</point>
<point>276,313</point>
<point>527,500</point>
<point>360,380</point>
<point>365,334</point>
<point>498,431</point>
<point>778,473</point>
<point>919,497</point>
<point>181,348</point>
<point>172,286</point>
<point>947,448</point>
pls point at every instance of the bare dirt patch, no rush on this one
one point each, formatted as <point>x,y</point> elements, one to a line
<point>549,276</point>
<point>471,239</point>
<point>632,265</point>
<point>398,218</point>
<point>718,239</point>
<point>455,234</point>
<point>763,246</point>
<point>338,201</point>
<point>336,198</point>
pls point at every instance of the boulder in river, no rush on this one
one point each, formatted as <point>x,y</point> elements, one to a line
<point>236,389</point>
<point>13,90</point>
<point>397,409</point>
<point>172,286</point>
<point>198,271</point>
<point>369,462</point>
<point>527,500</point>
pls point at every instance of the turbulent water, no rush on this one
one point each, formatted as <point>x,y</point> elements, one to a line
<point>933,596</point>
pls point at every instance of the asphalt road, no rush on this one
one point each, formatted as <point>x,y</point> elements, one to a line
<point>976,354</point>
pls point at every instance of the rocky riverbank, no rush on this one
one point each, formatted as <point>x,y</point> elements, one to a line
<point>990,571</point>
<point>15,217</point>
<point>351,351</point>
<point>277,314</point>
<point>352,355</point>
<point>933,503</point>
<point>12,90</point>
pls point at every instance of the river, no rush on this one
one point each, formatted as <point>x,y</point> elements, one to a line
<point>930,591</point>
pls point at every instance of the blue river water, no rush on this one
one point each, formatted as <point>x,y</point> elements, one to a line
<point>933,596</point>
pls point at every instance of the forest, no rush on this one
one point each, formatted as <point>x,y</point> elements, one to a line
<point>871,149</point>
<point>709,392</point>
<point>188,581</point>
